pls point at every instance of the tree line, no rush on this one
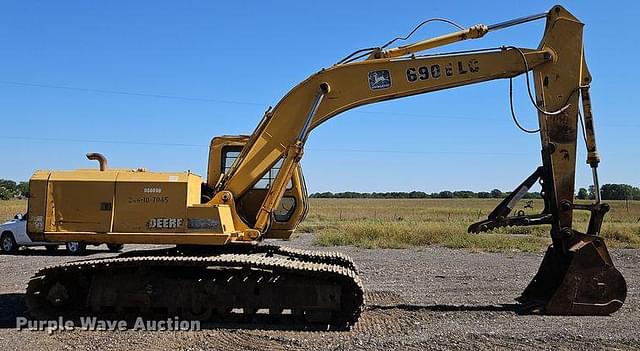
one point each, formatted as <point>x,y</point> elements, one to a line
<point>607,191</point>
<point>10,189</point>
<point>446,194</point>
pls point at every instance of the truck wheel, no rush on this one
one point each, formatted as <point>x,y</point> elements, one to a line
<point>75,248</point>
<point>115,247</point>
<point>8,243</point>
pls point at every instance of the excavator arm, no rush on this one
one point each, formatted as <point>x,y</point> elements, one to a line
<point>577,274</point>
<point>390,74</point>
<point>342,87</point>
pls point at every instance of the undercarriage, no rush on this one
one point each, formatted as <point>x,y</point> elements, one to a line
<point>267,285</point>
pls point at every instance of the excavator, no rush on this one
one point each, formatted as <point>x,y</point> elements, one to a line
<point>222,270</point>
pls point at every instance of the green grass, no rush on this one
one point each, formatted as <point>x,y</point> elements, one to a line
<point>379,234</point>
<point>401,223</point>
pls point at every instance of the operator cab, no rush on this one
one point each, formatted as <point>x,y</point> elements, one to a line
<point>291,210</point>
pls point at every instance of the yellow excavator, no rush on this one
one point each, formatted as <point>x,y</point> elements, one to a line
<point>220,270</point>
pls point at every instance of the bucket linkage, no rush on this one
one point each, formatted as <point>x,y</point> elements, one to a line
<point>577,275</point>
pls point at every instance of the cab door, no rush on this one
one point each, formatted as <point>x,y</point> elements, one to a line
<point>291,209</point>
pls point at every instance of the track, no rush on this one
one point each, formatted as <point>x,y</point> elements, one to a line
<point>274,286</point>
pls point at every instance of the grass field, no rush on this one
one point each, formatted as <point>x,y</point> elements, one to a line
<point>386,223</point>
<point>9,208</point>
<point>382,223</point>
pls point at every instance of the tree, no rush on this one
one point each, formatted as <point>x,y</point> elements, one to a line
<point>464,194</point>
<point>532,195</point>
<point>417,195</point>
<point>23,189</point>
<point>445,194</point>
<point>495,193</point>
<point>617,192</point>
<point>484,195</point>
<point>5,194</point>
<point>322,195</point>
<point>9,185</point>
<point>583,194</point>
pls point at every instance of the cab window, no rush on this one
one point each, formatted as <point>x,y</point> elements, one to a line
<point>229,156</point>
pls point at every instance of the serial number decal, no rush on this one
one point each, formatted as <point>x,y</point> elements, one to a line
<point>152,190</point>
<point>165,223</point>
<point>436,71</point>
<point>148,200</point>
<point>203,223</point>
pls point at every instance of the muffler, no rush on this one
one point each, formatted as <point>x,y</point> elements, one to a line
<point>582,281</point>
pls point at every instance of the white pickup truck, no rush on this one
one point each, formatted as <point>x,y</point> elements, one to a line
<point>13,235</point>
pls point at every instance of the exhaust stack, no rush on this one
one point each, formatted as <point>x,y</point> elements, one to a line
<point>95,156</point>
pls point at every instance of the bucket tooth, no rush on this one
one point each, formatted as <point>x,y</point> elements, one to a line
<point>580,282</point>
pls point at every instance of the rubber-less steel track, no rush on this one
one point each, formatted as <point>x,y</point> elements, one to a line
<point>327,257</point>
<point>271,285</point>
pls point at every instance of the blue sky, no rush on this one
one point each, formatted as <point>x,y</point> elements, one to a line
<point>236,58</point>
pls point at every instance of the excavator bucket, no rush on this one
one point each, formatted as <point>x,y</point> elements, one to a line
<point>580,282</point>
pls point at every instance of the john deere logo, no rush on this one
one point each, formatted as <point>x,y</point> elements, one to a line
<point>379,79</point>
<point>164,223</point>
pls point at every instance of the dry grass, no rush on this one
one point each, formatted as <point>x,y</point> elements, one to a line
<point>381,223</point>
<point>9,208</point>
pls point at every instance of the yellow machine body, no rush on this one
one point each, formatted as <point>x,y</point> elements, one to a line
<point>112,206</point>
<point>117,205</point>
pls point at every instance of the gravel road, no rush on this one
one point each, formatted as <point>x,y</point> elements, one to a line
<point>425,298</point>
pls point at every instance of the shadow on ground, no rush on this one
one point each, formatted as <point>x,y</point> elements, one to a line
<point>449,308</point>
<point>13,305</point>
